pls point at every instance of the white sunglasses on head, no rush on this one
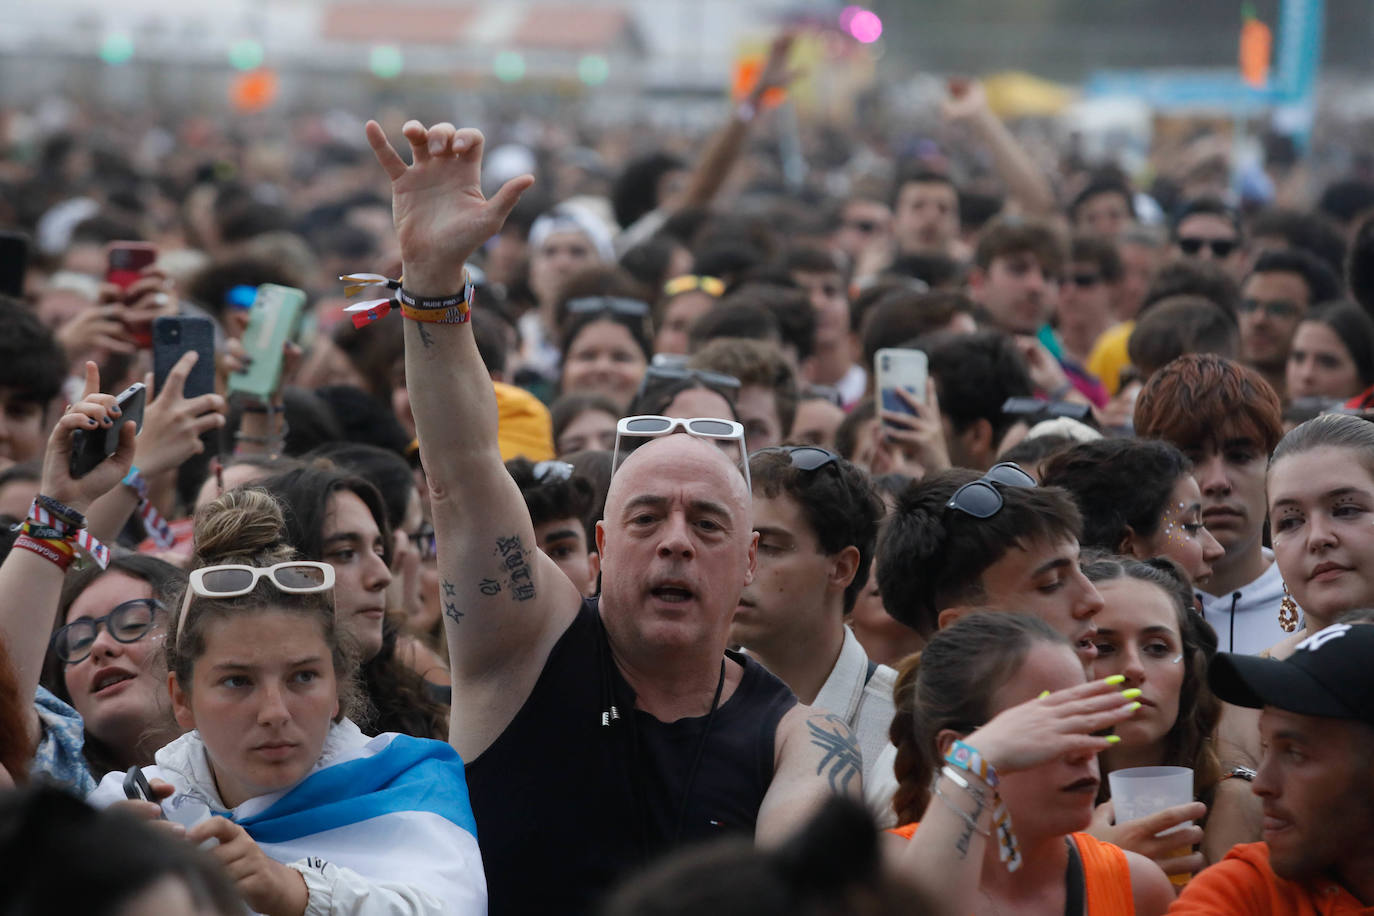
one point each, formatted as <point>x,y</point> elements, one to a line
<point>232,580</point>
<point>652,426</point>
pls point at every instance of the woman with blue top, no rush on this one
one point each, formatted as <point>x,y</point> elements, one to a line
<point>310,815</point>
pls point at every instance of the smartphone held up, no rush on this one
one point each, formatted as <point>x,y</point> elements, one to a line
<point>90,447</point>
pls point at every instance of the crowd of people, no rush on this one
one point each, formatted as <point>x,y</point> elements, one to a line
<point>574,562</point>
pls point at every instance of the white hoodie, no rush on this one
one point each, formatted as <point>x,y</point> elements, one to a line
<point>1247,619</point>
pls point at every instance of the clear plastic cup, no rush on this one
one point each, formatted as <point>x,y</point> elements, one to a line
<point>1141,791</point>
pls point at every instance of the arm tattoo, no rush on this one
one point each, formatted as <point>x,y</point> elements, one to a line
<point>516,562</point>
<point>425,337</point>
<point>451,607</point>
<point>841,761</point>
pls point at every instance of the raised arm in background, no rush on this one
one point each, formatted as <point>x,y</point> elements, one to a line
<point>29,584</point>
<point>1026,183</point>
<point>505,602</point>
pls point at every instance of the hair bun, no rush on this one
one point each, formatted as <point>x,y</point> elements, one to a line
<point>244,522</point>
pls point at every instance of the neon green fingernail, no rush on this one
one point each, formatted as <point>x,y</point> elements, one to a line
<point>1113,739</point>
<point>1115,679</point>
<point>1131,694</point>
<point>1043,694</point>
<point>1135,706</point>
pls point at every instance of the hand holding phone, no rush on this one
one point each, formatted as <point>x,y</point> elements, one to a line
<point>273,322</point>
<point>895,368</point>
<point>92,446</point>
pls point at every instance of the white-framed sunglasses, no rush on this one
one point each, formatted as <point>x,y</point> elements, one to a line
<point>233,580</point>
<point>652,426</point>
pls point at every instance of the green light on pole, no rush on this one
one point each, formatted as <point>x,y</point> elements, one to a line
<point>246,54</point>
<point>593,69</point>
<point>509,67</point>
<point>117,48</point>
<point>386,62</point>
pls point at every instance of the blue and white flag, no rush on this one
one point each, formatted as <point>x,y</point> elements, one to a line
<point>400,814</point>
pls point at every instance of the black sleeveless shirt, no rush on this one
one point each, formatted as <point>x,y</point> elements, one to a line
<point>566,805</point>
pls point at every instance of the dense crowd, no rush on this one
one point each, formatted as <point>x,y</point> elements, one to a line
<point>567,542</point>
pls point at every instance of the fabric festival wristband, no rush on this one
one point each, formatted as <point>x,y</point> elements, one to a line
<point>967,758</point>
<point>59,553</point>
<point>458,314</point>
<point>134,481</point>
<point>82,538</point>
<point>462,298</point>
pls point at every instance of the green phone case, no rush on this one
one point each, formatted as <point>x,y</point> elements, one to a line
<point>274,319</point>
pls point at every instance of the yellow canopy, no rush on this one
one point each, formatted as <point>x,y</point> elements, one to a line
<point>1013,94</point>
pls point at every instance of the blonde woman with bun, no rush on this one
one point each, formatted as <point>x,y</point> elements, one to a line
<point>309,814</point>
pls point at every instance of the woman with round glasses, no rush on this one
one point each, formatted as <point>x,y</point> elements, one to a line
<point>1149,634</point>
<point>106,659</point>
<point>309,814</point>
<point>97,708</point>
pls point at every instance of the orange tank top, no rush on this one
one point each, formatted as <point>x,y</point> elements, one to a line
<point>1106,874</point>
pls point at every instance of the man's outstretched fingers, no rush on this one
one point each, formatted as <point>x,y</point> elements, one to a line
<point>468,143</point>
<point>504,200</point>
<point>418,138</point>
<point>441,138</point>
<point>386,155</point>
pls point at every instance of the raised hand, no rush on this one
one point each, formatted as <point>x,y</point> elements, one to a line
<point>1043,729</point>
<point>966,101</point>
<point>911,443</point>
<point>93,412</point>
<point>173,424</point>
<point>437,205</point>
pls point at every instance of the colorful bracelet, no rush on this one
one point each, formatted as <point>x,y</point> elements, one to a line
<point>59,553</point>
<point>451,309</point>
<point>967,758</point>
<point>154,525</point>
<point>134,481</point>
<point>45,527</point>
<point>456,314</point>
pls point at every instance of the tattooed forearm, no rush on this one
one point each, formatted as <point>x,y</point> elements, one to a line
<point>451,607</point>
<point>425,337</point>
<point>515,560</point>
<point>841,761</point>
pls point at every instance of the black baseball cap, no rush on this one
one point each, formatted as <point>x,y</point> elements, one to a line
<point>1330,674</point>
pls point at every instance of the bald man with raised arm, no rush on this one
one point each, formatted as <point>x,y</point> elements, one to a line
<point>597,733</point>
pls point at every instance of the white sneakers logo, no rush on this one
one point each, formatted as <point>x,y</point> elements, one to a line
<point>1322,637</point>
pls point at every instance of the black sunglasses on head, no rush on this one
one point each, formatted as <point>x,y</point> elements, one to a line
<point>980,498</point>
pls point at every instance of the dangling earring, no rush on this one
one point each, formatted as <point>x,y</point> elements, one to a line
<point>1288,611</point>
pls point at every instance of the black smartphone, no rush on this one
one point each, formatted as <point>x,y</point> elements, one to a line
<point>90,447</point>
<point>173,336</point>
<point>14,263</point>
<point>136,786</point>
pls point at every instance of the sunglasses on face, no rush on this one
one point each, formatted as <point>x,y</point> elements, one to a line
<point>1221,248</point>
<point>651,426</point>
<point>1084,280</point>
<point>618,305</point>
<point>127,622</point>
<point>1279,310</point>
<point>980,498</point>
<point>231,580</point>
<point>716,380</point>
<point>864,226</point>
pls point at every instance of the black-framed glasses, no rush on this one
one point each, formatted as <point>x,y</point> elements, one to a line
<point>980,498</point>
<point>1221,248</point>
<point>127,622</point>
<point>552,471</point>
<point>619,305</point>
<point>425,541</point>
<point>1279,309</point>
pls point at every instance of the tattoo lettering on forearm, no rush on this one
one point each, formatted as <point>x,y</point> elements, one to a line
<point>489,587</point>
<point>970,825</point>
<point>425,337</point>
<point>516,560</point>
<point>841,761</point>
